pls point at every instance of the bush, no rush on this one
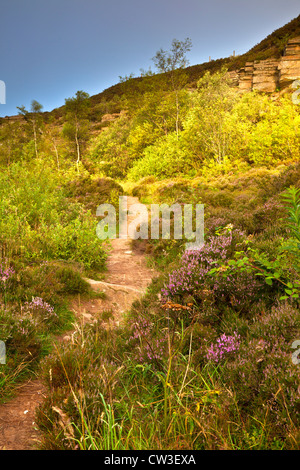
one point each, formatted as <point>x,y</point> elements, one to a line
<point>52,281</point>
<point>194,276</point>
<point>91,192</point>
<point>165,159</point>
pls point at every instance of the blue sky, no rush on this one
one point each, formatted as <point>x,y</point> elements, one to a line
<point>49,49</point>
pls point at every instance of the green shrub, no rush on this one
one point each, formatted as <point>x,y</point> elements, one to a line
<point>91,192</point>
<point>165,159</point>
<point>52,281</point>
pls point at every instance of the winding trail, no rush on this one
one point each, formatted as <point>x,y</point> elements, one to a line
<point>126,280</point>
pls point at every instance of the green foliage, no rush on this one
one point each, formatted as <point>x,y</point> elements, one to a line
<point>109,151</point>
<point>175,58</point>
<point>171,64</point>
<point>33,117</point>
<point>211,128</point>
<point>292,199</point>
<point>275,138</point>
<point>284,270</point>
<point>222,131</point>
<point>164,159</point>
<point>41,223</point>
<point>78,105</point>
<point>52,281</point>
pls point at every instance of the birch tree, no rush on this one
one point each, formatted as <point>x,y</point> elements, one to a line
<point>172,64</point>
<point>33,117</point>
<point>76,126</point>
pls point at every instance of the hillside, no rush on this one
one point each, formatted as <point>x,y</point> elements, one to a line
<point>140,343</point>
<point>272,47</point>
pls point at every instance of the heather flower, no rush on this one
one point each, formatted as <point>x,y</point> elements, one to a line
<point>193,276</point>
<point>224,346</point>
<point>39,307</point>
<point>195,265</point>
<point>25,326</point>
<point>149,349</point>
<point>5,273</point>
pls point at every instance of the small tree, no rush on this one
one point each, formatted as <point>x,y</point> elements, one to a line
<point>76,126</point>
<point>172,63</point>
<point>175,59</point>
<point>32,117</point>
<point>211,126</point>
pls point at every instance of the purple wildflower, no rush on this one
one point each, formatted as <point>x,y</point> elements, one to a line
<point>195,266</point>
<point>5,273</point>
<point>39,306</point>
<point>223,347</point>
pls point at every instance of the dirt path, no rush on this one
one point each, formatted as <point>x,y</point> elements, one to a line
<point>17,418</point>
<point>126,279</point>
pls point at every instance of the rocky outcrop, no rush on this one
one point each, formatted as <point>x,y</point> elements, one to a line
<point>272,74</point>
<point>289,67</point>
<point>246,76</point>
<point>265,75</point>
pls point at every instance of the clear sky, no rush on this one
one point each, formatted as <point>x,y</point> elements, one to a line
<point>49,49</point>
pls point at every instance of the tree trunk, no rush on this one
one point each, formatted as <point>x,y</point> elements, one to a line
<point>56,153</point>
<point>35,139</point>
<point>175,89</point>
<point>77,144</point>
<point>177,114</point>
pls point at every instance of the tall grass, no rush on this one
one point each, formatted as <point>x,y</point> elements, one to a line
<point>142,408</point>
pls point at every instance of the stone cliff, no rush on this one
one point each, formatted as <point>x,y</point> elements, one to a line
<point>271,74</point>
